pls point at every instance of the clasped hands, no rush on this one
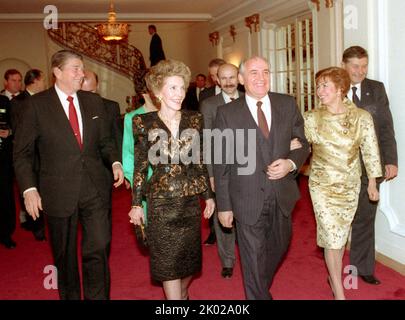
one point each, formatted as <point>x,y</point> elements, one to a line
<point>137,214</point>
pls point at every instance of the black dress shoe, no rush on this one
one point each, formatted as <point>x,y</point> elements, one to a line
<point>26,225</point>
<point>211,239</point>
<point>227,273</point>
<point>40,237</point>
<point>370,279</point>
<point>8,243</point>
<point>39,234</point>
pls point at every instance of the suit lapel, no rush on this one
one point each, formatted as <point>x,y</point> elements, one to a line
<point>86,119</point>
<point>276,118</point>
<point>366,97</point>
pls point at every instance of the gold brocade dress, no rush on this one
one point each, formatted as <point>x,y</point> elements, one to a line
<point>173,192</point>
<point>334,181</point>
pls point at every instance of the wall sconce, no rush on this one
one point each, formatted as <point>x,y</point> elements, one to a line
<point>232,31</point>
<point>254,21</point>
<point>214,38</point>
<point>328,4</point>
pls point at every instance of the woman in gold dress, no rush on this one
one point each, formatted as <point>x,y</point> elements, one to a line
<point>338,131</point>
<point>170,141</point>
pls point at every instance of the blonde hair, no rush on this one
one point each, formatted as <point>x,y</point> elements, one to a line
<point>166,68</point>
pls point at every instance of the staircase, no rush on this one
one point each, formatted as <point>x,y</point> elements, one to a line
<point>83,38</point>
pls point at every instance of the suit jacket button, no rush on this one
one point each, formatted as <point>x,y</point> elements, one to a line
<point>262,189</point>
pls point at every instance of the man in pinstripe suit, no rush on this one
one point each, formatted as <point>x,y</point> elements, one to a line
<point>261,201</point>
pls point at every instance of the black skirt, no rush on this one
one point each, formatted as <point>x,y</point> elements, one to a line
<point>174,237</point>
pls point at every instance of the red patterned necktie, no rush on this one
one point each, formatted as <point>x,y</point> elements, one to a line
<point>74,122</point>
<point>261,119</point>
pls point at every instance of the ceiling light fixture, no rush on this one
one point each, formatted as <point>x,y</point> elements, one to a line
<point>112,30</point>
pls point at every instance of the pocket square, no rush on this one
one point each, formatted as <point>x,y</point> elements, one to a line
<point>95,117</point>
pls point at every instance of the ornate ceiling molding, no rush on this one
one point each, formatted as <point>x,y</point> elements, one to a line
<point>97,17</point>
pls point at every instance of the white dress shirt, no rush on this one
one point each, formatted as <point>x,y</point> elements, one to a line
<point>358,92</point>
<point>227,98</point>
<point>266,107</point>
<point>65,104</point>
<point>9,95</point>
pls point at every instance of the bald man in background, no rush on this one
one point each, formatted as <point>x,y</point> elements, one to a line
<point>90,83</point>
<point>228,81</point>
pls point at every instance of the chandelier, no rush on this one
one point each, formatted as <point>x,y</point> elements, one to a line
<point>112,30</point>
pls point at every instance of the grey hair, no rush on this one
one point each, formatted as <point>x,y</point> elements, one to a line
<point>243,63</point>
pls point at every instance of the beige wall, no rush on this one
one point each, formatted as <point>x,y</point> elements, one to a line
<point>23,43</point>
<point>28,46</point>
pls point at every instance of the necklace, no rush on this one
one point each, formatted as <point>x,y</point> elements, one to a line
<point>172,123</point>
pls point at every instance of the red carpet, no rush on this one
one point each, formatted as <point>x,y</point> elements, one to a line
<point>301,276</point>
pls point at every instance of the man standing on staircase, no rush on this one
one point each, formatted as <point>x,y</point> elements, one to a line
<point>156,48</point>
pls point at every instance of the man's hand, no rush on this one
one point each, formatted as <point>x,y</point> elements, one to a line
<point>295,144</point>
<point>33,203</point>
<point>226,218</point>
<point>279,169</point>
<point>391,172</point>
<point>118,174</point>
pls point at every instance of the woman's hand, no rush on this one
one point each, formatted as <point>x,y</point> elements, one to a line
<point>136,216</point>
<point>373,193</point>
<point>209,208</point>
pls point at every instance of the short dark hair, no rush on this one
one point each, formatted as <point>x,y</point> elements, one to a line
<point>216,62</point>
<point>200,75</point>
<point>11,72</point>
<point>338,76</point>
<point>31,76</point>
<point>354,52</point>
<point>59,58</point>
<point>152,26</point>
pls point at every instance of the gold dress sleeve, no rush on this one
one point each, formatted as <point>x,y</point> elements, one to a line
<point>309,126</point>
<point>369,146</point>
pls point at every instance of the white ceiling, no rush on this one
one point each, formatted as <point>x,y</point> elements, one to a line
<point>187,10</point>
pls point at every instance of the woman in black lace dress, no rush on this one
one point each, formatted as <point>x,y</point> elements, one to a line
<point>170,140</point>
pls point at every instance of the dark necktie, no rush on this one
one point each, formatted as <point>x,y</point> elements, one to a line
<point>355,98</point>
<point>74,122</point>
<point>261,119</point>
<point>232,99</point>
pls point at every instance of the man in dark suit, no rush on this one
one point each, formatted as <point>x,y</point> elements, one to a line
<point>90,83</point>
<point>228,80</point>
<point>7,203</point>
<point>371,96</point>
<point>12,83</point>
<point>34,81</point>
<point>213,73</point>
<point>255,181</point>
<point>156,52</point>
<point>67,128</point>
<point>206,93</point>
<point>191,101</point>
